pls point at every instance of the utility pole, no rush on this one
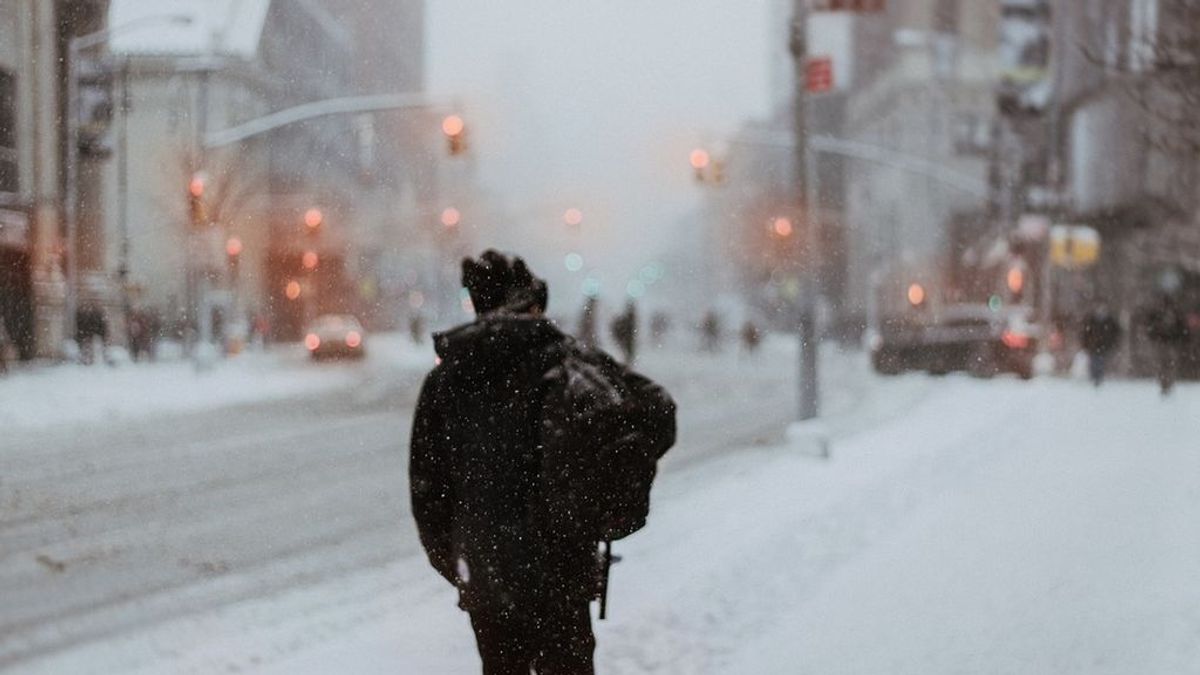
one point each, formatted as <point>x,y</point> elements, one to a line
<point>198,258</point>
<point>123,197</point>
<point>70,201</point>
<point>807,254</point>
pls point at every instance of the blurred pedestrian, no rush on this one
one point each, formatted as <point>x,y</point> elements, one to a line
<point>261,329</point>
<point>710,332</point>
<point>751,337</point>
<point>660,325</point>
<point>624,332</point>
<point>416,328</point>
<point>1101,335</point>
<point>1167,327</point>
<point>91,333</point>
<point>139,335</point>
<point>587,324</point>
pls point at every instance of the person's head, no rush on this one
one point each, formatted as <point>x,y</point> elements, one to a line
<point>499,282</point>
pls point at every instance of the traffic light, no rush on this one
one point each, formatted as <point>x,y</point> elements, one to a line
<point>782,227</point>
<point>700,160</point>
<point>313,219</point>
<point>233,254</point>
<point>916,295</point>
<point>1015,280</point>
<point>456,134</point>
<point>451,217</point>
<point>195,193</point>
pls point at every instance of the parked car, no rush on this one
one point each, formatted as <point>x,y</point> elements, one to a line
<point>337,336</point>
<point>972,338</point>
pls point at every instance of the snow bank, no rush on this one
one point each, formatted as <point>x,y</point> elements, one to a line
<point>80,394</point>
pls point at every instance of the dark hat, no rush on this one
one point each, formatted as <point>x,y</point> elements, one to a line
<point>496,281</point>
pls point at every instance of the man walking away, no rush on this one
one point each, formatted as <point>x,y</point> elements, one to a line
<point>1101,334</point>
<point>710,332</point>
<point>487,458</point>
<point>587,323</point>
<point>1169,331</point>
<point>624,332</point>
<point>751,337</point>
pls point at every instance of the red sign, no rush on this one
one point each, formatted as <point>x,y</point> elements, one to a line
<point>864,6</point>
<point>818,72</point>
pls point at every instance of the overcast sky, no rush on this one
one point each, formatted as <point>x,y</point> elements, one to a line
<point>596,103</point>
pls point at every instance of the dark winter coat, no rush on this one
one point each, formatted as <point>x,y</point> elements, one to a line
<point>1101,333</point>
<point>1167,326</point>
<point>475,463</point>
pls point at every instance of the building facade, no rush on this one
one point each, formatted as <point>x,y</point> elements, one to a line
<point>234,63</point>
<point>1129,157</point>
<point>926,100</point>
<point>34,35</point>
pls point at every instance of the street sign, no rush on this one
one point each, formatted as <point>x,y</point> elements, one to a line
<point>860,6</point>
<point>1074,247</point>
<point>818,74</point>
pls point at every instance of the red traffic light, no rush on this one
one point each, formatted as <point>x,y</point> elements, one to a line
<point>782,227</point>
<point>1015,280</point>
<point>453,125</point>
<point>456,134</point>
<point>233,247</point>
<point>916,295</point>
<point>313,218</point>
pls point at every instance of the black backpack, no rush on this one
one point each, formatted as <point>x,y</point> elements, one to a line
<point>603,431</point>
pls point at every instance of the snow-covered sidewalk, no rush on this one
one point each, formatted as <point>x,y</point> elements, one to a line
<point>999,527</point>
<point>70,394</point>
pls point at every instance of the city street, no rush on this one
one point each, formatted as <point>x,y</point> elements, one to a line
<point>110,529</point>
<point>829,337</point>
<point>955,515</point>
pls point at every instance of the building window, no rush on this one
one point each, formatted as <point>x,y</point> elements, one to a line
<point>9,179</point>
<point>1143,34</point>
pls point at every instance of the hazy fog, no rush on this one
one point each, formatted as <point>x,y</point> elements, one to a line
<point>596,104</point>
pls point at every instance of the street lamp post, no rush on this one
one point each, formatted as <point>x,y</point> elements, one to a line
<point>75,47</point>
<point>805,194</point>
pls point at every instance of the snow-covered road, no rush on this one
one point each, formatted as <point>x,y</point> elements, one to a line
<point>996,527</point>
<point>961,526</point>
<point>119,539</point>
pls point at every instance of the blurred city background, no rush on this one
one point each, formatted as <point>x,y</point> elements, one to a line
<point>229,227</point>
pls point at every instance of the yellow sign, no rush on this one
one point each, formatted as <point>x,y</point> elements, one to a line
<point>1074,247</point>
